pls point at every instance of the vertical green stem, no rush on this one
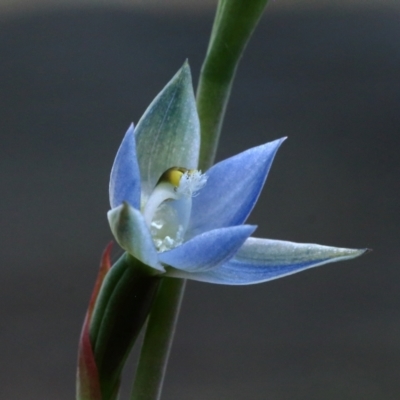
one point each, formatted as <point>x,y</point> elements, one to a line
<point>234,23</point>
<point>158,340</point>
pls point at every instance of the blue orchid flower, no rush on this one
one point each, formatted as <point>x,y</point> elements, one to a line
<point>187,224</point>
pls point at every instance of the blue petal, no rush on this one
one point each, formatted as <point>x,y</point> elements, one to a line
<point>261,260</point>
<point>232,189</point>
<point>207,250</point>
<point>131,233</point>
<point>125,174</point>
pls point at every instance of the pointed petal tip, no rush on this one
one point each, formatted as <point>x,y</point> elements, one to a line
<point>125,206</point>
<point>277,142</point>
<point>184,74</point>
<point>267,151</point>
<point>129,131</point>
<point>120,212</point>
<point>183,77</point>
<point>186,66</point>
<point>343,253</point>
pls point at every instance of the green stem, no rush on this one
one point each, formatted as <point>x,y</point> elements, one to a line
<point>158,340</point>
<point>234,23</point>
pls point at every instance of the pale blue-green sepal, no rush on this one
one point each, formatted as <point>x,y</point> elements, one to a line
<point>207,250</point>
<point>131,233</point>
<point>261,260</point>
<point>168,134</point>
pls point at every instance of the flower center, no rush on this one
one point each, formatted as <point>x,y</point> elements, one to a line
<point>167,211</point>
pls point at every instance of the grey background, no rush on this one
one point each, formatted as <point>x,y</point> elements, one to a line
<point>71,81</point>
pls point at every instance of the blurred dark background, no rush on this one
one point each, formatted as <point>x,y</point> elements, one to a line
<point>71,82</point>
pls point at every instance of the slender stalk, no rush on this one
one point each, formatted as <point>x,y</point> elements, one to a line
<point>234,24</point>
<point>158,340</point>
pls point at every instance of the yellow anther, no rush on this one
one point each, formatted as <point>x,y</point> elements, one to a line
<point>173,175</point>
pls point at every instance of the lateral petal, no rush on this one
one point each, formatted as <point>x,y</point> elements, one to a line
<point>261,260</point>
<point>131,232</point>
<point>232,189</point>
<point>125,174</point>
<point>207,250</point>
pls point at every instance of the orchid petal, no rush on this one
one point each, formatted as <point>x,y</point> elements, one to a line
<point>131,232</point>
<point>261,260</point>
<point>125,174</point>
<point>207,250</point>
<point>168,134</point>
<point>232,189</point>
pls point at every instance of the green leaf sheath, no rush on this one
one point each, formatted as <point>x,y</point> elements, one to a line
<point>87,378</point>
<point>234,23</point>
<point>122,308</point>
<point>106,290</point>
<point>158,340</point>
